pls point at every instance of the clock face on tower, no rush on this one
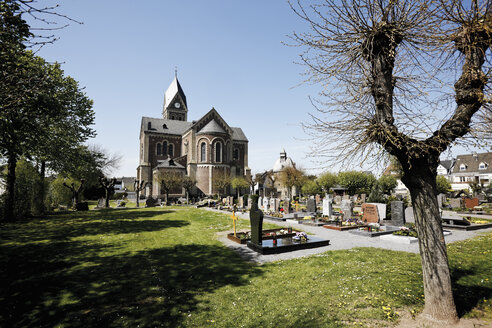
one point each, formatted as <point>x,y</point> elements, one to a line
<point>177,104</point>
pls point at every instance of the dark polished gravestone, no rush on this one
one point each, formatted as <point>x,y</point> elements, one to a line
<point>311,205</point>
<point>256,221</point>
<point>277,245</point>
<point>397,213</point>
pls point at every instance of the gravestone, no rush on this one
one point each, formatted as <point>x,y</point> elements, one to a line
<point>370,213</point>
<point>455,202</point>
<point>256,221</point>
<point>274,204</point>
<point>260,202</point>
<point>363,198</point>
<point>346,197</point>
<point>347,206</point>
<point>355,198</point>
<point>266,203</point>
<point>101,203</point>
<point>381,210</point>
<point>327,207</point>
<point>318,198</point>
<point>287,207</point>
<point>338,200</point>
<point>241,202</point>
<point>441,198</point>
<point>470,203</point>
<point>397,213</point>
<point>409,215</point>
<point>250,201</point>
<point>311,205</point>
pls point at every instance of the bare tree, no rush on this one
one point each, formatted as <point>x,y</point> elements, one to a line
<point>108,185</point>
<point>138,185</point>
<point>386,68</point>
<point>169,182</point>
<point>188,184</point>
<point>75,192</point>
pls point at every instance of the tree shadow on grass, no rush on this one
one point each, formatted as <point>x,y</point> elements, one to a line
<point>75,225</point>
<point>468,296</point>
<point>67,284</point>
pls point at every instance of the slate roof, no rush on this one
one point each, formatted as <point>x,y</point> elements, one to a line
<point>447,164</point>
<point>169,163</point>
<point>173,89</point>
<point>211,127</point>
<point>238,134</point>
<point>174,127</point>
<point>472,161</point>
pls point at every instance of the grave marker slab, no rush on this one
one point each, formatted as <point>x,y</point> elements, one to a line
<point>311,205</point>
<point>455,202</point>
<point>363,198</point>
<point>470,203</point>
<point>256,221</point>
<point>370,213</point>
<point>338,199</point>
<point>397,213</point>
<point>287,207</point>
<point>327,207</point>
<point>347,207</point>
<point>266,203</point>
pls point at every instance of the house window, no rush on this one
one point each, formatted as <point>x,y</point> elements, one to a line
<point>236,154</point>
<point>462,179</point>
<point>159,149</point>
<point>171,150</point>
<point>482,166</point>
<point>164,148</point>
<point>463,167</point>
<point>203,152</point>
<point>218,152</point>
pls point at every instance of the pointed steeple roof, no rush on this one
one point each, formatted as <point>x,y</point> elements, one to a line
<point>172,91</point>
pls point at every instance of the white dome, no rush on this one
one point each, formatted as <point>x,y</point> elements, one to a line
<point>283,162</point>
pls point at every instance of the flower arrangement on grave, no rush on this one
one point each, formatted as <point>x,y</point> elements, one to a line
<point>300,236</point>
<point>373,226</point>
<point>407,230</point>
<point>307,217</point>
<point>352,222</point>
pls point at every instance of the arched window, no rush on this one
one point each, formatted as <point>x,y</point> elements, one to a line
<point>236,154</point>
<point>172,117</point>
<point>171,150</point>
<point>203,152</point>
<point>164,148</point>
<point>218,152</point>
<point>159,149</point>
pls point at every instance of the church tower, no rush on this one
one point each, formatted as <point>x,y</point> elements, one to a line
<point>175,107</point>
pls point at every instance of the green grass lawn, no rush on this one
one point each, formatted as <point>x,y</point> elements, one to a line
<point>165,267</point>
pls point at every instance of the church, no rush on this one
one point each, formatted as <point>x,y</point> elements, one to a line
<point>205,149</point>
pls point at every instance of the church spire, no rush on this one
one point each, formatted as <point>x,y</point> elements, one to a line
<point>175,106</point>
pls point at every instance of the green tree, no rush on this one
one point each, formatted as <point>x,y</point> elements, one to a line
<point>292,177</point>
<point>327,181</point>
<point>240,184</point>
<point>310,187</point>
<point>443,185</point>
<point>221,182</point>
<point>380,63</point>
<point>387,183</point>
<point>356,182</point>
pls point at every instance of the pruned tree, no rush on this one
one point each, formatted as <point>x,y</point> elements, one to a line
<point>75,192</point>
<point>240,184</point>
<point>169,182</point>
<point>387,71</point>
<point>138,185</point>
<point>108,186</point>
<point>291,177</point>
<point>221,182</point>
<point>188,184</point>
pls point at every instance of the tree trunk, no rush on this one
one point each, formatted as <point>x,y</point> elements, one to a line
<point>137,192</point>
<point>108,193</point>
<point>40,194</point>
<point>439,302</point>
<point>10,188</point>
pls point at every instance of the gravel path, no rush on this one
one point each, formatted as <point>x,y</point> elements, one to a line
<point>338,240</point>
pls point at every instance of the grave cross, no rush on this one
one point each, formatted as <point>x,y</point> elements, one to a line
<point>297,206</point>
<point>234,219</point>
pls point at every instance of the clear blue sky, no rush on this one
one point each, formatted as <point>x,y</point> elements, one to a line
<point>229,55</point>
